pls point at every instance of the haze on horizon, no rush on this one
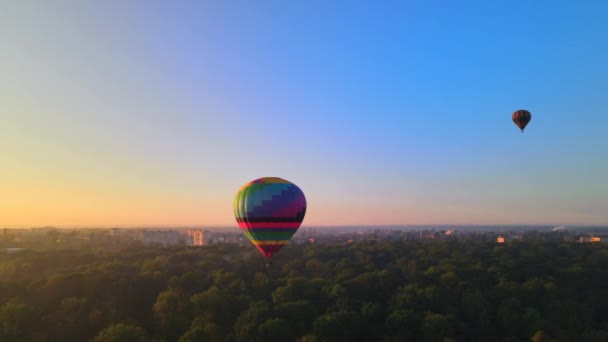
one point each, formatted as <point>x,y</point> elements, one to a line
<point>156,113</point>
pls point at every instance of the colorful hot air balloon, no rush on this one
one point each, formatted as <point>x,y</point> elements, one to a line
<point>269,210</point>
<point>521,118</point>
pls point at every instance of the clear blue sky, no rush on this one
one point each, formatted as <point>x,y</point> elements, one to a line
<point>150,112</point>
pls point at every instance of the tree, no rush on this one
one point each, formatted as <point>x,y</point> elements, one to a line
<point>401,325</point>
<point>299,315</point>
<point>249,320</point>
<point>203,328</point>
<point>339,326</point>
<point>70,320</point>
<point>196,334</point>
<point>435,327</point>
<point>540,336</point>
<point>224,305</point>
<point>172,309</point>
<point>16,320</point>
<point>276,329</point>
<point>121,332</point>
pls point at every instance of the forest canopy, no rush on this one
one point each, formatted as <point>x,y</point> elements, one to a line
<point>389,291</point>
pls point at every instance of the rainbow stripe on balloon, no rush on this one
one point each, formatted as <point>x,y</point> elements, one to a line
<point>269,211</point>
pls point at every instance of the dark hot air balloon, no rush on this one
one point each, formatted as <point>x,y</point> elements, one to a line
<point>521,118</point>
<point>269,211</point>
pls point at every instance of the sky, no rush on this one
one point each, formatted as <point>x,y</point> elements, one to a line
<point>382,112</point>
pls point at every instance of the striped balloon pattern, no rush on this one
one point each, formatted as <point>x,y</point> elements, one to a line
<point>269,211</point>
<point>521,118</point>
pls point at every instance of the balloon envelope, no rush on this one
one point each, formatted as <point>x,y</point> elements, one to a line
<point>521,118</point>
<point>269,211</point>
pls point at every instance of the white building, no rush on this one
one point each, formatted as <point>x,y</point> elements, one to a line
<point>197,237</point>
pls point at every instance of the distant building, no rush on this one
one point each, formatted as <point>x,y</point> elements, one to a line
<point>569,238</point>
<point>602,237</point>
<point>163,237</point>
<point>225,238</point>
<point>500,239</point>
<point>12,249</point>
<point>584,239</point>
<point>197,237</point>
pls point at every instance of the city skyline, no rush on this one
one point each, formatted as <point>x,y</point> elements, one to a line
<point>113,113</point>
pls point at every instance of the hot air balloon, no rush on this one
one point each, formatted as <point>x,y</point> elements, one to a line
<point>521,118</point>
<point>269,211</point>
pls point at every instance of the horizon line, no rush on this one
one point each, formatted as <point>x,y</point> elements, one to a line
<point>443,225</point>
